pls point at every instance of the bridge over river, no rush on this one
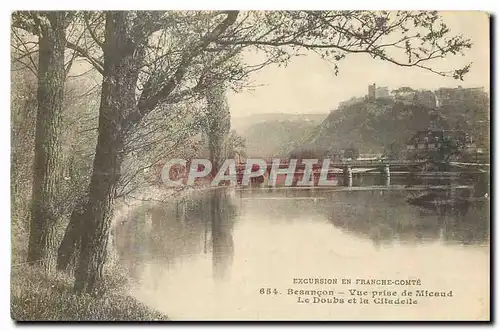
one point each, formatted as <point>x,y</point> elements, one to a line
<point>325,170</point>
<point>346,169</point>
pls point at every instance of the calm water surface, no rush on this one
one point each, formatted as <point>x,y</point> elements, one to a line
<point>206,256</point>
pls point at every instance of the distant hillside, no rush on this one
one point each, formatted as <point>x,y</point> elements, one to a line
<point>386,125</point>
<point>241,124</point>
<point>275,134</point>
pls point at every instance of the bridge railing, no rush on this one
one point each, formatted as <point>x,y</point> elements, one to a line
<point>344,163</point>
<point>377,162</point>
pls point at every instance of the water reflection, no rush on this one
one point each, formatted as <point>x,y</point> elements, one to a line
<point>203,223</point>
<point>222,214</point>
<point>385,217</point>
<point>469,225</point>
<point>166,234</point>
<point>211,248</point>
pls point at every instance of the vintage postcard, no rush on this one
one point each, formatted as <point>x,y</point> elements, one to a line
<point>250,166</point>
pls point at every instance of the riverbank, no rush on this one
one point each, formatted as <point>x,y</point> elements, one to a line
<point>37,296</point>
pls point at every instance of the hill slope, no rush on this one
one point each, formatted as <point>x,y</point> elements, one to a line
<point>269,135</point>
<point>385,125</point>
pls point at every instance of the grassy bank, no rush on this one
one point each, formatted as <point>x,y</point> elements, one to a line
<point>36,296</point>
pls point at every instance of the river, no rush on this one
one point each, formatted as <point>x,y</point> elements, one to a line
<point>207,255</point>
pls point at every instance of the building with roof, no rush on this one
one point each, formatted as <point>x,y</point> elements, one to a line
<point>426,143</point>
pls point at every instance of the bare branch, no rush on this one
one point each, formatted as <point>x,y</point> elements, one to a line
<point>149,99</point>
<point>92,31</point>
<point>98,65</point>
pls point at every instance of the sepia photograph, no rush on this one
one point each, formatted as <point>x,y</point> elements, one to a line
<point>250,165</point>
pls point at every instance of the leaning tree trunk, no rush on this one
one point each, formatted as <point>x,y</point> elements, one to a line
<point>51,76</point>
<point>121,69</point>
<point>70,245</point>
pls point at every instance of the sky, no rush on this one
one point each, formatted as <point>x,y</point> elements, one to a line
<point>308,84</point>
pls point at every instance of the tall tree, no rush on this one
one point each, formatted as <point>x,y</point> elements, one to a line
<point>123,54</point>
<point>50,29</point>
<point>124,49</point>
<point>218,124</point>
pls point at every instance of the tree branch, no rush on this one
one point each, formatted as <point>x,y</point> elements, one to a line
<point>98,65</point>
<point>149,99</point>
<point>91,31</point>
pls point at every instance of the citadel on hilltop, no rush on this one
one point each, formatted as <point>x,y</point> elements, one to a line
<point>431,99</point>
